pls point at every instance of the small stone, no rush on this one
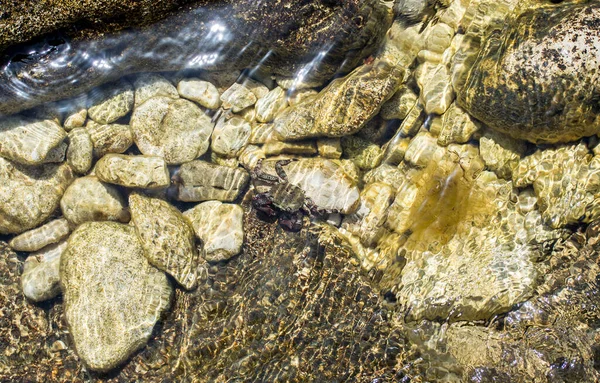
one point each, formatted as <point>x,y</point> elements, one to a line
<point>457,127</point>
<point>148,85</point>
<point>423,149</point>
<point>110,102</point>
<point>88,199</point>
<point>329,148</point>
<point>42,236</point>
<point>81,150</point>
<point>167,238</point>
<point>237,98</point>
<point>176,130</point>
<point>248,114</point>
<point>29,141</point>
<point>501,153</point>
<point>230,136</point>
<point>40,280</point>
<point>259,90</point>
<point>75,119</point>
<point>203,181</point>
<point>270,105</point>
<point>112,138</point>
<point>436,92</point>
<point>399,105</point>
<point>365,154</point>
<point>220,227</point>
<point>133,171</point>
<point>261,133</point>
<point>303,147</point>
<point>250,155</point>
<point>30,195</point>
<point>439,38</point>
<point>112,296</point>
<point>202,92</point>
<point>299,95</point>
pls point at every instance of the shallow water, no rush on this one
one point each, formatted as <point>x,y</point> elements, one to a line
<point>405,240</point>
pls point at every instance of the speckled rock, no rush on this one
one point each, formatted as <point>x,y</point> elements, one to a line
<point>167,238</point>
<point>297,83</point>
<point>110,102</point>
<point>230,136</point>
<point>297,96</point>
<point>133,171</point>
<point>80,152</point>
<point>219,226</point>
<point>344,106</point>
<point>329,148</point>
<point>41,277</point>
<point>112,296</point>
<point>501,153</point>
<point>237,98</point>
<point>270,105</point>
<point>42,236</point>
<point>111,138</point>
<point>39,189</point>
<point>364,153</point>
<point>457,127</point>
<point>177,130</point>
<point>149,85</point>
<point>437,92</point>
<point>203,181</point>
<point>57,154</point>
<point>399,105</point>
<point>250,155</point>
<point>550,54</point>
<point>259,89</point>
<point>29,141</point>
<point>261,133</point>
<point>76,119</point>
<point>88,199</point>
<point>303,147</point>
<point>202,92</point>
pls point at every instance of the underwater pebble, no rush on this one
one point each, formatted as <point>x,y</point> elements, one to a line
<point>42,236</point>
<point>108,103</point>
<point>399,105</point>
<point>329,148</point>
<point>303,147</point>
<point>133,171</point>
<point>237,98</point>
<point>203,181</point>
<point>111,138</point>
<point>230,136</point>
<point>148,85</point>
<point>29,141</point>
<point>40,280</point>
<point>80,152</point>
<point>202,92</point>
<point>270,105</point>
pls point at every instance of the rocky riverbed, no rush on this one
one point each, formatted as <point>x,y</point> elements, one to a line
<point>429,213</point>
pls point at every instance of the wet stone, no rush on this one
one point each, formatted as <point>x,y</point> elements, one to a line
<point>80,152</point>
<point>177,130</point>
<point>111,138</point>
<point>133,171</point>
<point>29,141</point>
<point>297,96</point>
<point>75,119</point>
<point>41,277</point>
<point>88,199</point>
<point>260,90</point>
<point>230,136</point>
<point>329,148</point>
<point>261,133</point>
<point>203,181</point>
<point>237,98</point>
<point>110,102</point>
<point>202,92</point>
<point>149,85</point>
<point>270,105</point>
<point>42,236</point>
<point>57,154</point>
<point>457,127</point>
<point>364,153</point>
<point>219,226</point>
<point>250,155</point>
<point>38,188</point>
<point>399,105</point>
<point>501,153</point>
<point>303,147</point>
<point>112,296</point>
<point>167,238</point>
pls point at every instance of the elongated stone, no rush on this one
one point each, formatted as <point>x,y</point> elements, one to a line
<point>111,138</point>
<point>112,296</point>
<point>167,238</point>
<point>110,102</point>
<point>203,181</point>
<point>80,152</point>
<point>41,276</point>
<point>270,105</point>
<point>29,141</point>
<point>133,171</point>
<point>237,98</point>
<point>42,236</point>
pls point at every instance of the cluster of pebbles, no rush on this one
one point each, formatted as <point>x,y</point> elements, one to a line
<point>427,152</point>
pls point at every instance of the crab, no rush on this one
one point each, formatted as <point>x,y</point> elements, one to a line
<point>283,200</point>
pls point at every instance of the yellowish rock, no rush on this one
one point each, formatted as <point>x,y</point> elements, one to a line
<point>237,98</point>
<point>111,138</point>
<point>501,153</point>
<point>29,141</point>
<point>457,127</point>
<point>40,280</point>
<point>203,181</point>
<point>80,152</point>
<point>230,136</point>
<point>42,236</point>
<point>399,105</point>
<point>365,154</point>
<point>270,105</point>
<point>148,85</point>
<point>133,171</point>
<point>110,102</point>
<point>202,92</point>
<point>303,147</point>
<point>329,148</point>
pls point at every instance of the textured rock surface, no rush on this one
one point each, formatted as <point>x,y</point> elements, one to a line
<point>167,238</point>
<point>39,189</point>
<point>550,54</point>
<point>110,102</point>
<point>203,181</point>
<point>230,136</point>
<point>133,171</point>
<point>112,296</point>
<point>270,105</point>
<point>41,277</point>
<point>237,98</point>
<point>111,138</point>
<point>176,130</point>
<point>149,85</point>
<point>88,199</point>
<point>219,226</point>
<point>29,141</point>
<point>80,152</point>
<point>42,236</point>
<point>202,92</point>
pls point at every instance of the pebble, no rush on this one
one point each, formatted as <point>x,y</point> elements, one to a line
<point>220,227</point>
<point>80,152</point>
<point>237,98</point>
<point>42,236</point>
<point>40,280</point>
<point>270,105</point>
<point>303,147</point>
<point>202,92</point>
<point>133,171</point>
<point>203,181</point>
<point>149,85</point>
<point>364,153</point>
<point>230,136</point>
<point>29,141</point>
<point>110,102</point>
<point>399,105</point>
<point>329,148</point>
<point>111,138</point>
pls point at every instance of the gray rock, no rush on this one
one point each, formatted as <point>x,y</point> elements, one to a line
<point>112,296</point>
<point>29,141</point>
<point>41,277</point>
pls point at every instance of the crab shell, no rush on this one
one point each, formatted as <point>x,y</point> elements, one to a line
<point>287,197</point>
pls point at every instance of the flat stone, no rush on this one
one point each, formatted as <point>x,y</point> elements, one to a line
<point>220,227</point>
<point>176,130</point>
<point>365,154</point>
<point>167,238</point>
<point>203,181</point>
<point>399,105</point>
<point>270,105</point>
<point>29,141</point>
<point>88,199</point>
<point>149,85</point>
<point>111,138</point>
<point>133,171</point>
<point>30,195</point>
<point>230,136</point>
<point>80,152</point>
<point>112,296</point>
<point>302,147</point>
<point>42,236</point>
<point>202,92</point>
<point>237,98</point>
<point>299,95</point>
<point>41,277</point>
<point>110,102</point>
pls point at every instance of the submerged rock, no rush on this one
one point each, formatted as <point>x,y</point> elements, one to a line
<point>230,136</point>
<point>29,141</point>
<point>111,138</point>
<point>202,92</point>
<point>167,238</point>
<point>203,181</point>
<point>149,85</point>
<point>80,152</point>
<point>112,296</point>
<point>41,277</point>
<point>30,195</point>
<point>110,102</point>
<point>147,172</point>
<point>42,236</point>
